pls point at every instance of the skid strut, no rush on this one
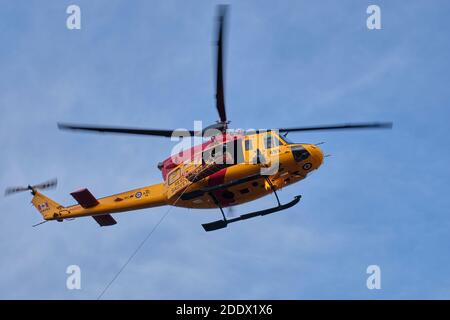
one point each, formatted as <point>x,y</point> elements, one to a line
<point>220,224</point>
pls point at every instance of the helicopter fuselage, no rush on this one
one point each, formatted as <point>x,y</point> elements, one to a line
<point>260,163</point>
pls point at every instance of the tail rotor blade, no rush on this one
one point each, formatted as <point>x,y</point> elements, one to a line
<point>46,185</point>
<point>12,190</point>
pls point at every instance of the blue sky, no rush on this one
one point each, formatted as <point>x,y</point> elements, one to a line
<point>382,198</point>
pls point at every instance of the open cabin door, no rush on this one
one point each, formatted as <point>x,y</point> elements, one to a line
<point>216,157</point>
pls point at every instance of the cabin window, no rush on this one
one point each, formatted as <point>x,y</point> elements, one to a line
<point>270,141</point>
<point>228,153</point>
<point>248,145</point>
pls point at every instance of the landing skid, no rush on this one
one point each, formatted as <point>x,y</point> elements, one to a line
<point>220,224</point>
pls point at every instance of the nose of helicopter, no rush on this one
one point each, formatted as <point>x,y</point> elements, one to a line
<point>316,154</point>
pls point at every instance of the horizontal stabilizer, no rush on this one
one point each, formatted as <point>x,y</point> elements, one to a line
<point>105,220</point>
<point>85,198</point>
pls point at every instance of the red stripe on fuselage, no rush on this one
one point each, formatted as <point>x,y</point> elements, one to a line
<point>216,179</point>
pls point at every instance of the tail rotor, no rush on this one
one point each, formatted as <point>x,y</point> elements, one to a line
<point>50,184</point>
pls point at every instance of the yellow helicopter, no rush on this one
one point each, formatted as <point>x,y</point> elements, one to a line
<point>230,167</point>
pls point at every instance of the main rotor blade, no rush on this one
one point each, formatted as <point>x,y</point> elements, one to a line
<point>371,125</point>
<point>137,131</point>
<point>220,94</point>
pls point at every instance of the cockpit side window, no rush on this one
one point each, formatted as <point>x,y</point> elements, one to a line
<point>299,153</point>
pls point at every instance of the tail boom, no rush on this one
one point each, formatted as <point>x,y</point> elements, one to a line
<point>147,197</point>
